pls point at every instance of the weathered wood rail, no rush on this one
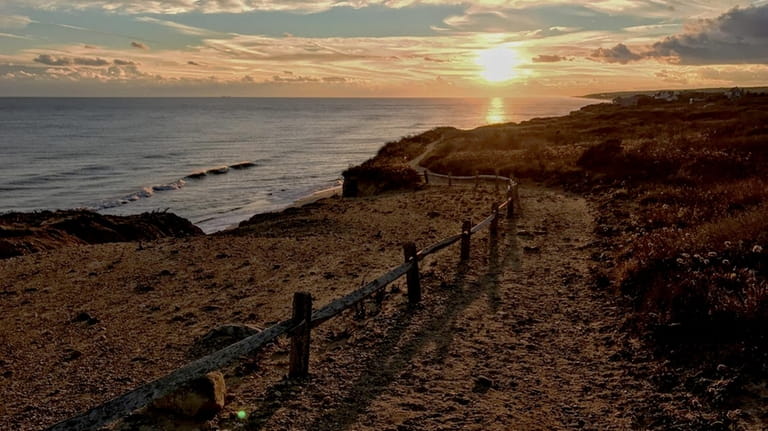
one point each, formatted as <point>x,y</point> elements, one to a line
<point>299,326</point>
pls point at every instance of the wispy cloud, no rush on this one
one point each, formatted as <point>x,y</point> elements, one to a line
<point>140,45</point>
<point>181,28</point>
<point>15,36</point>
<point>15,21</point>
<point>545,58</point>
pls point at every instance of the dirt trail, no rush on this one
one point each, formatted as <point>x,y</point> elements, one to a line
<point>416,162</point>
<point>516,341</point>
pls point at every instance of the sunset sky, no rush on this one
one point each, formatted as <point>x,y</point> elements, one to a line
<point>377,48</point>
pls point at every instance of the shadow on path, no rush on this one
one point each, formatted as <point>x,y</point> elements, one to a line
<point>392,356</point>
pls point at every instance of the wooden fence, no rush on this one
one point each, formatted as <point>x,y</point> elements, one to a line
<point>303,319</point>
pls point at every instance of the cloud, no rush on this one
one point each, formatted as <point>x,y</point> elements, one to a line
<point>181,28</point>
<point>50,60</point>
<point>140,45</point>
<point>656,8</point>
<point>335,79</point>
<point>540,20</point>
<point>186,6</point>
<point>291,78</point>
<point>552,32</point>
<point>544,58</point>
<point>739,36</point>
<point>15,36</point>
<point>14,21</point>
<point>735,75</point>
<point>122,72</point>
<point>119,62</point>
<point>618,54</point>
<point>492,21</point>
<point>193,63</point>
<point>75,70</point>
<point>673,77</point>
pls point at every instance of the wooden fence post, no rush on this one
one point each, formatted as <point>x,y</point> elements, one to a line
<point>494,229</point>
<point>466,233</point>
<point>511,199</point>
<point>300,337</point>
<point>496,180</point>
<point>426,177</point>
<point>412,276</point>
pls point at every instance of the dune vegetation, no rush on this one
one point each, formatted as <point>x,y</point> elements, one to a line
<point>681,189</point>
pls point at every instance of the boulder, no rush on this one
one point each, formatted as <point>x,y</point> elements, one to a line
<point>200,399</point>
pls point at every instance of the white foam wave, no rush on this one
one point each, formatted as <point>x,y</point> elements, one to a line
<point>147,192</point>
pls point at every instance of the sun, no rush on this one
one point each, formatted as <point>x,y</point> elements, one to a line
<point>498,64</point>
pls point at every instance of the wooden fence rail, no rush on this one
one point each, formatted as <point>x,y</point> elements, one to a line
<point>298,327</point>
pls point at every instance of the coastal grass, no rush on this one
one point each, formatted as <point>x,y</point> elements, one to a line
<point>682,191</point>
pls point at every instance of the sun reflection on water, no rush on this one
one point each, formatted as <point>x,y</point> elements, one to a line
<point>497,112</point>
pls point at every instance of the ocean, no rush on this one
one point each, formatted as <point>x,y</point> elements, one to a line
<point>127,156</point>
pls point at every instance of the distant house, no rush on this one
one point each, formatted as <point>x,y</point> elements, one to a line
<point>735,93</point>
<point>667,96</point>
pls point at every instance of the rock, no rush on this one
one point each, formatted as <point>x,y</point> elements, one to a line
<point>71,355</point>
<point>482,384</point>
<point>143,288</point>
<point>85,317</point>
<point>220,337</point>
<point>25,233</point>
<point>201,399</point>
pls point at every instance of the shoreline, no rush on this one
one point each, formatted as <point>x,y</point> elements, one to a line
<point>298,203</point>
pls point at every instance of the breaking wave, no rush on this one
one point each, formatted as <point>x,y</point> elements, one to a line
<point>219,170</point>
<point>149,191</point>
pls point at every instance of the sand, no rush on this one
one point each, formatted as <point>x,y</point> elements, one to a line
<point>517,339</point>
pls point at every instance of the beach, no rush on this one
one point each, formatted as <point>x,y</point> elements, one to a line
<point>151,302</point>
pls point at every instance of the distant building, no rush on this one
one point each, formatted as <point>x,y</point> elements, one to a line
<point>668,96</point>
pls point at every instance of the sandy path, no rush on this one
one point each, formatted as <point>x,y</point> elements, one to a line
<point>518,342</point>
<point>415,163</point>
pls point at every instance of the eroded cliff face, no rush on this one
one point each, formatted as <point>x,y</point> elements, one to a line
<point>25,233</point>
